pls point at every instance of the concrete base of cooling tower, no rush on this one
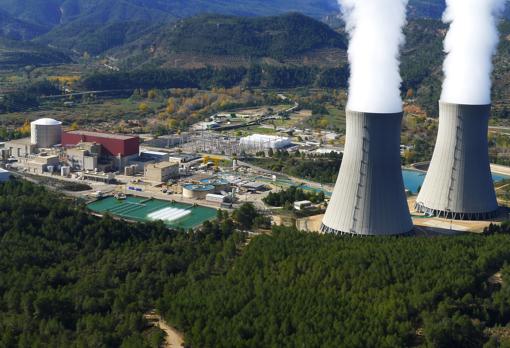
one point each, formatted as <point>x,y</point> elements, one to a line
<point>458,184</point>
<point>457,215</point>
<point>369,196</point>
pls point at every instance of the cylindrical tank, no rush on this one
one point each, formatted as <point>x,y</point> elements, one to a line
<point>45,132</point>
<point>65,170</point>
<point>459,183</point>
<point>193,191</point>
<point>369,196</point>
<point>218,183</point>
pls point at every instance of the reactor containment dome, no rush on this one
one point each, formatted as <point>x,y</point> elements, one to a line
<point>459,182</point>
<point>45,132</point>
<point>369,196</point>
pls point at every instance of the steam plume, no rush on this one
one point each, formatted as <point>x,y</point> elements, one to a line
<point>470,44</point>
<point>375,28</point>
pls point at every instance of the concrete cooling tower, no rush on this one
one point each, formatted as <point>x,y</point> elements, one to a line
<point>369,196</point>
<point>459,184</point>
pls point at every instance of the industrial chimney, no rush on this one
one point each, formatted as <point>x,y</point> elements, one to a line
<point>459,183</point>
<point>369,196</point>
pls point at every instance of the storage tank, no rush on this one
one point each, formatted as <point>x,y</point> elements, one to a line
<point>65,171</point>
<point>193,191</point>
<point>369,196</point>
<point>45,132</point>
<point>218,183</point>
<point>459,181</point>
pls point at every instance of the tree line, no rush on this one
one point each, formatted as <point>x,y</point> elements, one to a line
<point>206,78</point>
<point>286,198</point>
<point>319,168</point>
<point>27,97</point>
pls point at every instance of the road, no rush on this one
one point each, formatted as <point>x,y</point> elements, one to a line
<point>173,338</point>
<point>294,179</point>
<point>85,93</point>
<point>257,121</point>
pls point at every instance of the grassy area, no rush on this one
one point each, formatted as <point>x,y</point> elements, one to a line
<point>260,130</point>
<point>334,119</point>
<point>89,112</point>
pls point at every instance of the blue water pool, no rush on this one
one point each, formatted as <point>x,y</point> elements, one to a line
<point>414,179</point>
<point>499,177</point>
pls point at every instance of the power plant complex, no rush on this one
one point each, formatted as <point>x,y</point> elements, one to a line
<point>369,196</point>
<point>459,181</point>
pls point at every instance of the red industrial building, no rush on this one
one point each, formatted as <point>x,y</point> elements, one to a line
<point>112,144</point>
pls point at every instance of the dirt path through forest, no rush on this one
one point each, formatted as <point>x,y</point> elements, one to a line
<point>173,338</point>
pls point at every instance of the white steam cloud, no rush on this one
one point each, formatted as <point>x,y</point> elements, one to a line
<point>375,28</point>
<point>470,44</point>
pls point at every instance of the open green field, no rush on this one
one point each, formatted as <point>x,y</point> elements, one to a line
<point>139,209</point>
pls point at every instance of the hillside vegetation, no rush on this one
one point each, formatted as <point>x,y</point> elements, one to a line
<point>16,29</point>
<point>95,39</point>
<point>240,40</point>
<point>51,13</point>
<point>15,54</point>
<point>305,290</point>
<point>68,21</point>
<point>68,279</point>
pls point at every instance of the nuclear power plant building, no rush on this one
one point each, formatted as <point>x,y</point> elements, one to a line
<point>369,196</point>
<point>459,181</point>
<point>45,132</point>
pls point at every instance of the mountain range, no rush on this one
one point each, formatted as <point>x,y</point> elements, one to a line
<point>44,15</point>
<point>169,32</point>
<point>232,41</point>
<point>67,23</point>
<point>51,13</point>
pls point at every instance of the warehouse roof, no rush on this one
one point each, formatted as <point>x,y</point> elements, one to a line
<point>102,135</point>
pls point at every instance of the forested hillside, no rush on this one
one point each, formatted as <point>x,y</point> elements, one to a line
<point>15,54</point>
<point>205,38</point>
<point>51,13</point>
<point>90,15</point>
<point>96,39</point>
<point>304,290</point>
<point>70,279</point>
<point>16,29</point>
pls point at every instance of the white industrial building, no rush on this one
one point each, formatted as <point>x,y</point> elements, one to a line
<point>459,181</point>
<point>369,196</point>
<point>264,142</point>
<point>45,132</point>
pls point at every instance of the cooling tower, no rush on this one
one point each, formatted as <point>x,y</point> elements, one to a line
<point>369,196</point>
<point>459,182</point>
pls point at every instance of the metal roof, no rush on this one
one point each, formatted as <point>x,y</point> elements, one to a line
<point>102,135</point>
